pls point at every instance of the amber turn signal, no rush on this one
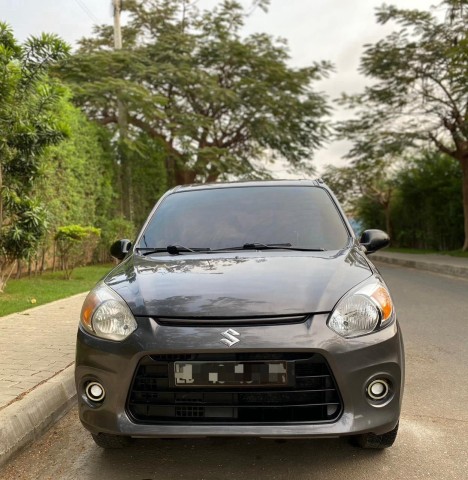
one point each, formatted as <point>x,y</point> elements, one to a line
<point>382,297</point>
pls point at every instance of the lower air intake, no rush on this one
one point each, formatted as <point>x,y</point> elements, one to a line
<point>309,396</point>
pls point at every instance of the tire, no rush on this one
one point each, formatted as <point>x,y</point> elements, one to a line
<point>104,440</point>
<point>379,442</point>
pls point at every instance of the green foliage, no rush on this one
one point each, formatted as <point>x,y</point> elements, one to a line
<point>213,99</point>
<point>370,214</point>
<point>425,210</point>
<point>419,89</point>
<point>428,210</point>
<point>20,240</point>
<point>423,251</point>
<point>78,180</point>
<point>149,178</point>
<point>111,230</point>
<point>28,102</point>
<point>75,244</point>
<point>362,185</point>
<point>75,233</point>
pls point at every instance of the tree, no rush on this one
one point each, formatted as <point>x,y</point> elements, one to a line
<point>27,125</point>
<point>148,176</point>
<point>79,184</point>
<point>419,199</point>
<point>419,90</point>
<point>373,181</point>
<point>77,179</point>
<point>427,211</point>
<point>75,245</point>
<point>212,99</point>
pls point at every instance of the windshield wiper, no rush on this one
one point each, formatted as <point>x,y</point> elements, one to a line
<point>177,249</point>
<point>264,246</point>
<point>172,249</point>
<point>269,246</point>
<point>150,250</point>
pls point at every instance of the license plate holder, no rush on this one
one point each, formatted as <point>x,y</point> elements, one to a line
<point>231,374</point>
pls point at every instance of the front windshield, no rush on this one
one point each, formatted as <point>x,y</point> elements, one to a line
<point>220,218</point>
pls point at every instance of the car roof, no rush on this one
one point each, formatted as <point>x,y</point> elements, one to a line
<point>253,183</point>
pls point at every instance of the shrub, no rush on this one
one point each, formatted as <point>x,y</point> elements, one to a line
<point>75,246</point>
<point>112,230</point>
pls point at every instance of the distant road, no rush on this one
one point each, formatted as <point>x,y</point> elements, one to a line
<point>432,444</point>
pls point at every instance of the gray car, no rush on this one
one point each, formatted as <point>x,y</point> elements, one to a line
<point>242,309</point>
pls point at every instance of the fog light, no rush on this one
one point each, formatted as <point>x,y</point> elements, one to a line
<point>378,389</point>
<point>95,391</point>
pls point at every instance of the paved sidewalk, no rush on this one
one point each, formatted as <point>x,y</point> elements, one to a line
<point>36,344</point>
<point>37,351</point>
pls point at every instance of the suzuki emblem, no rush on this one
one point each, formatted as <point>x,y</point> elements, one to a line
<point>230,337</point>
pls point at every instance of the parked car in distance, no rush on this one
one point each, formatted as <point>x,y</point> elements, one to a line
<point>242,309</point>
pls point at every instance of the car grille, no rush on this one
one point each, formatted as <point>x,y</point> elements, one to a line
<point>313,397</point>
<point>213,321</point>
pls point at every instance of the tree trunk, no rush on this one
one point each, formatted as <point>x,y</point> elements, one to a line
<point>125,165</point>
<point>173,175</point>
<point>388,221</point>
<point>212,176</point>
<point>184,177</point>
<point>18,270</point>
<point>126,185</point>
<point>5,274</point>
<point>43,257</point>
<point>464,165</point>
<point>126,188</point>
<point>54,253</point>
<point>1,201</point>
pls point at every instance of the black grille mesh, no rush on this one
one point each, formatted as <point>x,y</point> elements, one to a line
<point>313,397</point>
<point>212,321</point>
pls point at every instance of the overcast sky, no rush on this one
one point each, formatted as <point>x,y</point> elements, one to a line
<point>332,30</point>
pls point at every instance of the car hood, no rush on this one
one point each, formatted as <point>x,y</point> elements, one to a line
<point>237,285</point>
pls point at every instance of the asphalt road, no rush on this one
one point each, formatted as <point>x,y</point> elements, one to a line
<point>432,442</point>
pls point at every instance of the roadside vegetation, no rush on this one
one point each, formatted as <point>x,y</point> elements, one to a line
<point>408,164</point>
<point>90,139</point>
<point>33,291</point>
<point>422,251</point>
<point>417,199</point>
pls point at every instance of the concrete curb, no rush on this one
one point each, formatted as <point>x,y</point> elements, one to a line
<point>26,419</point>
<point>445,269</point>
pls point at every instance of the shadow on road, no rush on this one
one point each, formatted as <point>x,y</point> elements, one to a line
<point>231,459</point>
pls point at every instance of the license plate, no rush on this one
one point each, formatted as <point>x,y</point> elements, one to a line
<point>228,374</point>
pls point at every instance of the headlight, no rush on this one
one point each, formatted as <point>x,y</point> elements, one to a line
<point>363,311</point>
<point>106,315</point>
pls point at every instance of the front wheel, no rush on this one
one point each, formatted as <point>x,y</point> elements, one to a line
<point>104,440</point>
<point>370,440</point>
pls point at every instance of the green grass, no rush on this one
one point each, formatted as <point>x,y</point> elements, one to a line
<point>452,253</point>
<point>31,292</point>
<point>457,253</point>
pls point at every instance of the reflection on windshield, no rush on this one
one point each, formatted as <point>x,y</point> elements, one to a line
<point>224,217</point>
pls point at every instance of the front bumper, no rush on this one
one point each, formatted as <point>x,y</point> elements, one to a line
<point>353,362</point>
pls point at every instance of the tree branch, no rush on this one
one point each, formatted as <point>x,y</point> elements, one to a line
<point>107,120</point>
<point>441,146</point>
<point>152,132</point>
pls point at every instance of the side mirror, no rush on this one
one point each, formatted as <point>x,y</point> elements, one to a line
<point>374,240</point>
<point>120,248</point>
